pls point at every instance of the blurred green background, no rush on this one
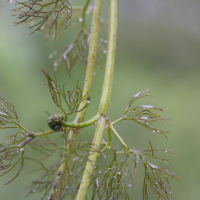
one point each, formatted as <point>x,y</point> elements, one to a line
<point>158,48</point>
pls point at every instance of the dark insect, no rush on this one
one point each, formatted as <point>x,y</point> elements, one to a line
<point>55,122</point>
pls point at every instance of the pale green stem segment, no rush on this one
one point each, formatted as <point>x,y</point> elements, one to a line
<point>91,159</point>
<point>91,58</point>
<point>73,135</point>
<point>82,124</point>
<point>104,104</point>
<point>108,77</point>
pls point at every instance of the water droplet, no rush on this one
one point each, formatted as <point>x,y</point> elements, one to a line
<point>166,151</point>
<point>94,73</point>
<point>22,149</point>
<point>55,64</point>
<point>101,40</point>
<point>10,1</point>
<point>99,171</point>
<point>137,95</point>
<point>143,117</point>
<point>51,56</point>
<point>154,131</point>
<point>90,7</point>
<point>153,166</point>
<point>88,101</point>
<point>106,41</point>
<point>42,27</point>
<point>129,185</point>
<point>105,51</point>
<point>80,19</point>
<point>146,106</point>
<point>119,172</point>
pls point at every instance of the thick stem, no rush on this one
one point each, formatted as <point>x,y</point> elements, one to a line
<point>91,58</point>
<point>104,104</point>
<point>73,135</point>
<point>91,159</point>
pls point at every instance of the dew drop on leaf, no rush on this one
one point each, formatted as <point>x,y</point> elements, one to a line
<point>80,19</point>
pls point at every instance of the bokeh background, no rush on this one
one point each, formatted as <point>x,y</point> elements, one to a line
<point>158,48</point>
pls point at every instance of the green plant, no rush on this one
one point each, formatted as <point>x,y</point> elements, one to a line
<point>79,168</point>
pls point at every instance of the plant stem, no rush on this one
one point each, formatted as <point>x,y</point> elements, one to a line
<point>91,58</point>
<point>91,159</point>
<point>118,136</point>
<point>104,103</point>
<point>73,135</point>
<point>82,124</point>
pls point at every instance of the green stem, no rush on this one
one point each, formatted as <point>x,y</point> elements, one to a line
<point>20,126</point>
<point>43,133</point>
<point>91,159</point>
<point>118,136</point>
<point>118,120</point>
<point>73,135</point>
<point>91,58</point>
<point>104,103</point>
<point>84,12</point>
<point>82,124</point>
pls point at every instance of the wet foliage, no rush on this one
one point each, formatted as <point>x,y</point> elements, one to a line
<point>42,14</point>
<point>55,16</point>
<point>143,114</point>
<point>47,181</point>
<point>12,150</point>
<point>116,179</point>
<point>71,98</point>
